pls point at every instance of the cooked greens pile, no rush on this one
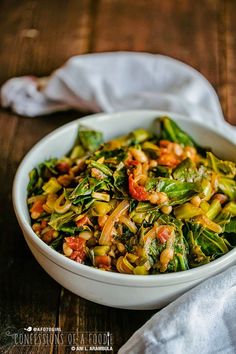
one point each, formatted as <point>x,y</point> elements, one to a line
<point>138,204</point>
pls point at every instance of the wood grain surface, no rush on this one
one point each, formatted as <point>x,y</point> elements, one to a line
<point>37,36</point>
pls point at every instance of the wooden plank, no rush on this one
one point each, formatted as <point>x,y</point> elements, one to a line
<point>183,29</point>
<point>227,52</point>
<point>39,36</point>
<point>29,297</point>
<point>85,316</point>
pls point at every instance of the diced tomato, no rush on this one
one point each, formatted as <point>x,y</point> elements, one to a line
<point>102,261</point>
<point>164,233</point>
<point>168,159</point>
<point>48,236</point>
<point>37,207</point>
<point>132,162</point>
<point>77,244</point>
<point>62,167</point>
<point>83,221</point>
<point>164,143</point>
<point>136,191</point>
<point>76,256</point>
<point>43,224</point>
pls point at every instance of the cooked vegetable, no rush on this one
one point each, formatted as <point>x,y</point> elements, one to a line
<point>224,168</point>
<point>172,132</point>
<point>138,204</point>
<point>88,139</point>
<point>106,234</point>
<point>187,211</point>
<point>35,183</point>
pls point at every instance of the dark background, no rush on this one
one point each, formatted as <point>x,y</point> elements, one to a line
<point>38,36</point>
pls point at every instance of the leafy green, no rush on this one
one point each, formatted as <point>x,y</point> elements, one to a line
<point>59,220</point>
<point>151,149</point>
<point>70,228</point>
<point>171,131</point>
<point>170,220</point>
<point>196,256</point>
<point>113,156</point>
<point>211,243</point>
<point>153,251</point>
<point>230,208</point>
<point>186,171</point>
<point>82,188</point>
<point>180,245</point>
<point>139,136</point>
<point>35,183</point>
<point>178,192</point>
<point>224,168</point>
<point>162,171</point>
<point>182,261</point>
<point>231,226</point>
<point>121,180</point>
<point>57,243</point>
<point>102,167</point>
<point>36,176</point>
<point>48,166</point>
<point>145,207</point>
<point>230,232</point>
<point>89,139</point>
<point>228,187</point>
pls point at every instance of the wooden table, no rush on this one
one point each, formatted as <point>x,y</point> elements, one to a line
<point>36,37</point>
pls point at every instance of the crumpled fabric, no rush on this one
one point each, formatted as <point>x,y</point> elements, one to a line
<point>118,81</point>
<point>203,320</point>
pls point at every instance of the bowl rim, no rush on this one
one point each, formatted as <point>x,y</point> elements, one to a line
<point>93,273</point>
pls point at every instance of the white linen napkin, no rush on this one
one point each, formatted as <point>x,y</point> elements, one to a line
<point>118,81</point>
<point>201,321</point>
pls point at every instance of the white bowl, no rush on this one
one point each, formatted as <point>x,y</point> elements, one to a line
<point>108,288</point>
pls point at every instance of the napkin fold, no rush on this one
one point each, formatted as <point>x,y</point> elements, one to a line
<point>201,321</point>
<point>118,81</point>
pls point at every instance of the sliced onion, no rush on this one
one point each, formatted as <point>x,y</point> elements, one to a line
<point>150,235</point>
<point>129,223</point>
<point>62,205</point>
<point>105,237</point>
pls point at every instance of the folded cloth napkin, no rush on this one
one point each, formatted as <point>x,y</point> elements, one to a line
<point>118,81</point>
<point>201,321</point>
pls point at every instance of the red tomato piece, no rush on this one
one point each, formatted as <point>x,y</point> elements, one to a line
<point>37,207</point>
<point>43,224</point>
<point>62,167</point>
<point>48,236</point>
<point>168,159</point>
<point>102,261</point>
<point>164,233</point>
<point>136,191</point>
<point>77,244</point>
<point>83,221</point>
<point>132,162</point>
<point>164,143</point>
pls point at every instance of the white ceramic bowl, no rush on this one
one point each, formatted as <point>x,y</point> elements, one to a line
<point>107,288</point>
